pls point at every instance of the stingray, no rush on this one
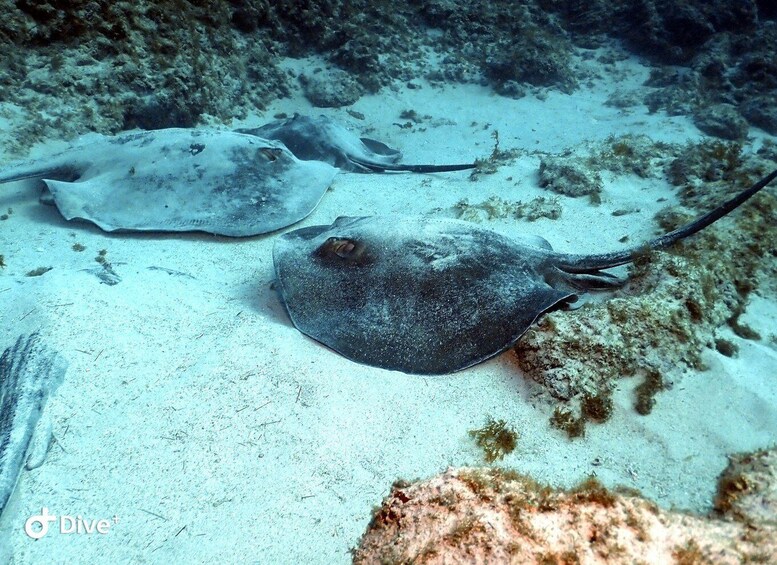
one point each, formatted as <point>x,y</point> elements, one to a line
<point>174,180</point>
<point>322,139</point>
<point>434,296</point>
<point>30,372</point>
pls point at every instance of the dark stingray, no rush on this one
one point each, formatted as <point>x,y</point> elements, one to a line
<point>321,139</point>
<point>433,296</point>
<point>213,181</point>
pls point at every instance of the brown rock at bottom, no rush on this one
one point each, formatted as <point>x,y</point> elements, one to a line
<point>476,515</point>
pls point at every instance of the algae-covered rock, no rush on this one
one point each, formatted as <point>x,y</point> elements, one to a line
<point>474,515</point>
<point>333,88</point>
<point>721,120</point>
<point>569,177</point>
<point>662,320</point>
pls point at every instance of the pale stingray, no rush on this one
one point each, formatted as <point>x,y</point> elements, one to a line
<point>322,139</point>
<point>432,296</point>
<point>214,181</point>
<point>30,372</point>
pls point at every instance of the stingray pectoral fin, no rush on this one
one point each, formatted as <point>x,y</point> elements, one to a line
<point>29,373</point>
<point>488,340</point>
<point>440,348</point>
<point>40,442</point>
<point>77,201</point>
<point>506,329</point>
<point>113,206</point>
<point>541,301</point>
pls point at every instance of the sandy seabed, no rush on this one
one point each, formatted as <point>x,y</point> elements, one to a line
<point>204,426</point>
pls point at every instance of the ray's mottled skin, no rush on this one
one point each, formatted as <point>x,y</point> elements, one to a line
<point>29,373</point>
<point>322,139</point>
<point>176,180</point>
<point>434,296</point>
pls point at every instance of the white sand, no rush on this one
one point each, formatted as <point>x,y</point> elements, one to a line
<point>195,413</point>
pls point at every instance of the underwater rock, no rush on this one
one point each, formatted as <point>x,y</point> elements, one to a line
<point>92,66</point>
<point>631,155</point>
<point>623,99</point>
<point>489,515</point>
<point>511,89</point>
<point>539,207</point>
<point>675,93</point>
<point>674,301</point>
<point>569,177</point>
<point>704,162</point>
<point>747,488</point>
<point>159,111</point>
<point>217,61</point>
<point>525,47</point>
<point>539,62</point>
<point>333,88</point>
<point>761,112</point>
<point>561,381</point>
<point>721,120</point>
<point>768,150</point>
<point>725,163</point>
<point>736,68</point>
<point>674,31</point>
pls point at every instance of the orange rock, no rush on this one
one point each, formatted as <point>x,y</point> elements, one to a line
<point>488,516</point>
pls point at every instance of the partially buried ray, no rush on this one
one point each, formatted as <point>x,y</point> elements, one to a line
<point>29,373</point>
<point>322,139</point>
<point>434,296</point>
<point>175,180</point>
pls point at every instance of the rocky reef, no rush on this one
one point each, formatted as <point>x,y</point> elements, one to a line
<point>95,65</point>
<point>670,311</point>
<point>488,515</point>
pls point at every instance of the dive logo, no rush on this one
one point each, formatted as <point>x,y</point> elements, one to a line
<point>37,525</point>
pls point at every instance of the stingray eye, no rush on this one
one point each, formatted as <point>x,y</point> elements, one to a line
<point>343,250</point>
<point>271,154</point>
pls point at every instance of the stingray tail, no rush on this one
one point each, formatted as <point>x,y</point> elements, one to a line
<point>589,263</point>
<point>372,167</point>
<point>34,170</point>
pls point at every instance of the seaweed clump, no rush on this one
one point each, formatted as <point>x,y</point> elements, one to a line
<point>631,154</point>
<point>597,406</point>
<point>594,407</point>
<point>646,392</point>
<point>747,488</point>
<point>563,419</point>
<point>498,157</point>
<point>496,439</point>
<point>499,208</point>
